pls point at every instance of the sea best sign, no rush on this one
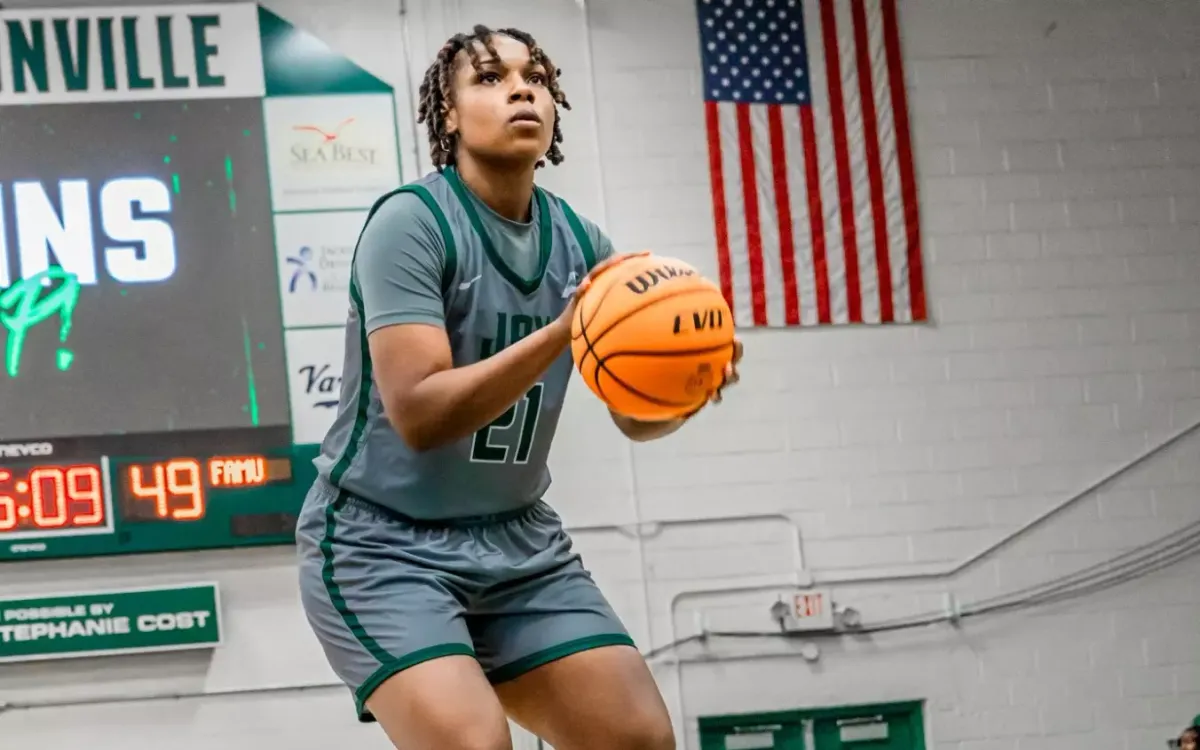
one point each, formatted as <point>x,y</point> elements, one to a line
<point>69,55</point>
<point>112,622</point>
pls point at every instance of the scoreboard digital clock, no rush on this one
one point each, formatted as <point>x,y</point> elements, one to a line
<point>80,505</point>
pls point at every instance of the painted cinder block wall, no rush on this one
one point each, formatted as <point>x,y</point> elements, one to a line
<point>1058,155</point>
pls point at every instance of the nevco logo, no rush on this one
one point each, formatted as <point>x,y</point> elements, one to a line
<point>19,548</point>
<point>17,450</point>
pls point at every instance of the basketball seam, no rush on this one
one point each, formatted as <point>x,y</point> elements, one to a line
<point>584,324</point>
<point>676,353</point>
<point>642,394</point>
<point>628,315</point>
<point>600,365</point>
<point>639,393</point>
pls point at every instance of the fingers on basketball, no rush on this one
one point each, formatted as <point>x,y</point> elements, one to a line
<point>614,260</point>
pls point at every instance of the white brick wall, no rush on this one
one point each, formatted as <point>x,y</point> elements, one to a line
<point>1058,149</point>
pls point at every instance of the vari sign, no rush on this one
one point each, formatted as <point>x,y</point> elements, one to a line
<point>315,381</point>
<point>69,55</point>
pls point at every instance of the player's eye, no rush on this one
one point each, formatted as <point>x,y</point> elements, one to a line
<point>488,77</point>
<point>537,79</point>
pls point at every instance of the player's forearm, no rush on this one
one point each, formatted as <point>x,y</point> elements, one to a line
<point>457,402</point>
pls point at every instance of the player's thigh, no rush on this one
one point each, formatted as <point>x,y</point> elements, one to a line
<point>562,662</point>
<point>598,699</point>
<point>391,625</point>
<point>442,704</point>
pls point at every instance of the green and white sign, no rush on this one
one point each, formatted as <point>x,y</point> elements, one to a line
<point>130,621</point>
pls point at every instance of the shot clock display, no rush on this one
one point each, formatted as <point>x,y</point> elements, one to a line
<point>39,498</point>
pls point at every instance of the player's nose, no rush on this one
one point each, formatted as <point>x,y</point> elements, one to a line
<point>522,92</point>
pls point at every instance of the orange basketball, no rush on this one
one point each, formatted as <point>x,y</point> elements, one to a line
<point>652,337</point>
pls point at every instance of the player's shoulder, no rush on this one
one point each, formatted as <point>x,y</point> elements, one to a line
<point>415,210</point>
<point>601,244</point>
<point>404,219</point>
<point>412,202</point>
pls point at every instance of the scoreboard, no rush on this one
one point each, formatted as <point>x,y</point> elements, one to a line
<point>64,499</point>
<point>178,211</point>
<point>144,391</point>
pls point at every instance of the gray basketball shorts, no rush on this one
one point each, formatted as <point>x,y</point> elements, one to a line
<point>383,592</point>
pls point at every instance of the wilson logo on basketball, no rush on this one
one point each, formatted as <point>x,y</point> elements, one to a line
<point>700,320</point>
<point>651,278</point>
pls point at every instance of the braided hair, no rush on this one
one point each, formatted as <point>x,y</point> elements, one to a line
<point>437,94</point>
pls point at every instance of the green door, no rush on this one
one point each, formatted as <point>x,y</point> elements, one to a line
<point>752,736</point>
<point>888,726</point>
<point>898,730</point>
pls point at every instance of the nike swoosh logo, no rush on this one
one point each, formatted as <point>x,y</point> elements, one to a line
<point>467,284</point>
<point>569,291</point>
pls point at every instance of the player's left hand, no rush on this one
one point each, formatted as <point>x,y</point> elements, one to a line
<point>730,376</point>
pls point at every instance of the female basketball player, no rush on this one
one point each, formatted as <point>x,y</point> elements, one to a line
<point>444,592</point>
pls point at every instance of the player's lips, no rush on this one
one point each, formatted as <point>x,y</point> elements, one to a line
<point>526,116</point>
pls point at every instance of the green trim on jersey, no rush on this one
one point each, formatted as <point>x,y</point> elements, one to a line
<point>364,388</point>
<point>545,235</point>
<point>451,262</point>
<point>581,235</point>
<point>449,268</point>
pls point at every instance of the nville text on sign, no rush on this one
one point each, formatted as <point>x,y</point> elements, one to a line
<point>78,55</point>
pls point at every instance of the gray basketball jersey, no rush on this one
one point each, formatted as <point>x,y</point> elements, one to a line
<point>488,306</point>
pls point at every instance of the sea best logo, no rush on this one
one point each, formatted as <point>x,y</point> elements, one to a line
<point>335,144</point>
<point>323,267</point>
<point>21,450</point>
<point>322,385</point>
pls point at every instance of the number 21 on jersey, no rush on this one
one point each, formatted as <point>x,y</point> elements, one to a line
<point>506,441</point>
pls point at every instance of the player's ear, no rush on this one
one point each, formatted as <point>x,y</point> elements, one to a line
<point>451,121</point>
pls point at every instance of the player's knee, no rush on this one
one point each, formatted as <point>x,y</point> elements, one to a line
<point>475,734</point>
<point>483,736</point>
<point>649,730</point>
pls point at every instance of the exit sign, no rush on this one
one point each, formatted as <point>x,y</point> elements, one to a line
<point>812,610</point>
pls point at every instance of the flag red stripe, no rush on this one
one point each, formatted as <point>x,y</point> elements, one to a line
<point>841,153</point>
<point>908,184</point>
<point>783,213</point>
<point>754,252</point>
<point>720,217</point>
<point>816,214</point>
<point>866,94</point>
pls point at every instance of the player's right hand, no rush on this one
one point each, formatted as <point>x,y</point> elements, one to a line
<point>599,268</point>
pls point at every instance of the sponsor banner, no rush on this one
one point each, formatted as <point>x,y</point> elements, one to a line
<point>103,623</point>
<point>156,52</point>
<point>315,251</point>
<point>334,151</point>
<point>314,380</point>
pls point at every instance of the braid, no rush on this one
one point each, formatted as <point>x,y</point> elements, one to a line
<point>437,96</point>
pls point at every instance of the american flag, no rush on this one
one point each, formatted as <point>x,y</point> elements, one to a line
<point>811,162</point>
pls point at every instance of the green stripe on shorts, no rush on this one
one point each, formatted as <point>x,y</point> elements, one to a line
<point>335,592</point>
